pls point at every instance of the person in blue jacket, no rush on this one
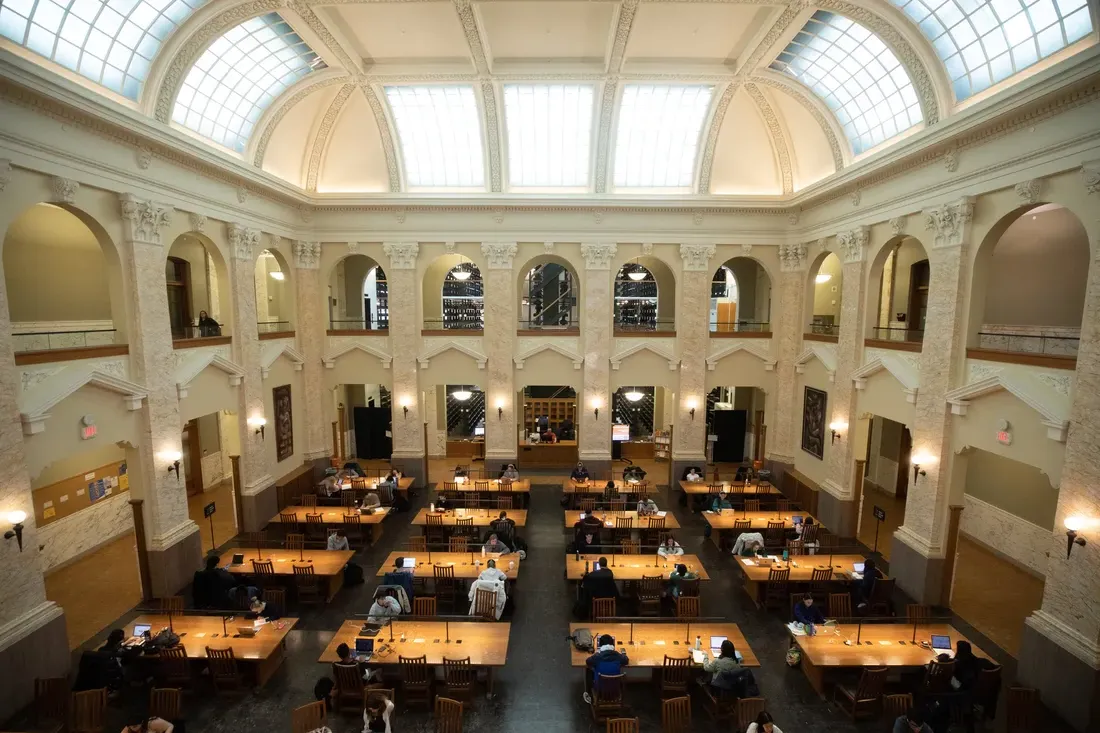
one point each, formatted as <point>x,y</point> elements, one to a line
<point>606,661</point>
<point>722,501</point>
<point>805,612</point>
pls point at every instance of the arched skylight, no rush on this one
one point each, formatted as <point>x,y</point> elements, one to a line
<point>111,42</point>
<point>982,43</point>
<point>658,135</point>
<point>234,80</point>
<point>439,129</point>
<point>856,74</point>
<point>549,133</point>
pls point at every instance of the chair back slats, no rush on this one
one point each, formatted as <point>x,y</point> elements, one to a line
<point>937,676</point>
<point>840,605</point>
<point>294,541</point>
<point>417,544</point>
<point>51,699</point>
<point>457,544</point>
<point>459,675</point>
<point>676,671</point>
<point>288,518</point>
<point>896,705</point>
<point>485,604</point>
<point>348,679</point>
<point>603,608</point>
<point>820,575</point>
<point>623,725</point>
<point>748,708</point>
<point>171,604</point>
<point>424,606</point>
<point>676,715</point>
<point>631,547</point>
<point>303,570</point>
<point>1022,710</point>
<point>448,715</point>
<point>415,671</point>
<point>263,567</point>
<point>166,702</point>
<point>309,499</point>
<point>917,613</point>
<point>871,683</point>
<point>309,717</point>
<point>752,505</point>
<point>742,524</point>
<point>687,606</point>
<point>86,711</point>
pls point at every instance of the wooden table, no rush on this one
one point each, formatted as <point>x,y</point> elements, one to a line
<point>481,517</point>
<point>722,524</point>
<point>802,567</point>
<point>263,653</point>
<point>327,564</point>
<point>572,517</point>
<point>485,643</point>
<point>736,488</point>
<point>826,656</point>
<point>647,651</point>
<point>519,486</point>
<point>468,565</point>
<point>334,516</point>
<point>633,567</point>
<point>594,486</point>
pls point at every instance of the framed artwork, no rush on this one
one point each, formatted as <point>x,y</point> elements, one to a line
<point>284,422</point>
<point>813,421</point>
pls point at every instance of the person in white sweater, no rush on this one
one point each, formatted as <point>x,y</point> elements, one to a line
<point>763,724</point>
<point>670,548</point>
<point>376,714</point>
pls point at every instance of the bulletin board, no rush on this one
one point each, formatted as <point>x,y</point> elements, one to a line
<point>70,495</point>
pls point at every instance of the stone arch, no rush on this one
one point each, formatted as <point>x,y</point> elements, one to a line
<point>752,303</point>
<point>275,291</point>
<point>892,269</point>
<point>663,279</point>
<point>825,263</point>
<point>443,280</point>
<point>346,280</point>
<point>527,314</point>
<point>201,255</point>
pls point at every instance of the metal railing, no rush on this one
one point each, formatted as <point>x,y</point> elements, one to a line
<point>197,332</point>
<point>356,324</point>
<point>739,326</point>
<point>540,325</point>
<point>825,329</point>
<point>455,323</point>
<point>892,333</point>
<point>646,325</point>
<point>50,340</point>
<point>273,326</point>
<point>1029,343</point>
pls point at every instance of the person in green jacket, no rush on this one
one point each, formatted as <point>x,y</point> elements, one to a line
<point>722,501</point>
<point>680,573</point>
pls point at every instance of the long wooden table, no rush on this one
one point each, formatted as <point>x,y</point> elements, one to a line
<point>801,566</point>
<point>595,486</point>
<point>334,516</point>
<point>468,565</point>
<point>826,655</point>
<point>653,641</point>
<point>481,517</point>
<point>737,488</point>
<point>723,523</point>
<point>608,517</point>
<point>519,486</point>
<point>634,567</point>
<point>327,564</point>
<point>262,654</point>
<point>485,643</point>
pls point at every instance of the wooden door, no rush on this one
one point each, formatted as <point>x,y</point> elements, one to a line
<point>919,274</point>
<point>727,317</point>
<point>192,457</point>
<point>904,450</point>
<point>178,279</point>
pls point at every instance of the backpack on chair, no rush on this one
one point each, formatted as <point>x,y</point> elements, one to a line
<point>583,641</point>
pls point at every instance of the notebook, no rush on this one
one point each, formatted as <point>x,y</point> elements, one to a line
<point>238,559</point>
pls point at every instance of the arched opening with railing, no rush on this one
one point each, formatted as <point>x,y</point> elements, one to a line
<point>898,308</point>
<point>549,295</point>
<point>825,290</point>
<point>358,295</point>
<point>274,294</point>
<point>645,296</point>
<point>740,297</point>
<point>197,284</point>
<point>454,295</point>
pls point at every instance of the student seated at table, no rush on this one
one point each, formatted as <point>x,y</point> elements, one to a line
<point>763,724</point>
<point>800,530</point>
<point>215,587</point>
<point>370,501</point>
<point>805,612</point>
<point>490,579</point>
<point>670,548</point>
<point>600,582</point>
<point>722,501</point>
<point>144,723</point>
<point>338,541</point>
<point>549,436</point>
<point>585,543</point>
<point>680,573</point>
<point>460,472</point>
<point>647,507</point>
<point>354,468</point>
<point>376,714</point>
<point>610,493</point>
<point>442,504</point>
<point>504,527</point>
<point>383,607</point>
<point>492,573</point>
<point>566,431</point>
<point>912,722</point>
<point>606,661</point>
<point>723,667</point>
<point>968,667</point>
<point>590,523</point>
<point>693,474</point>
<point>865,585</point>
<point>495,545</point>
<point>580,473</point>
<point>754,549</point>
<point>510,473</point>
<point>330,486</point>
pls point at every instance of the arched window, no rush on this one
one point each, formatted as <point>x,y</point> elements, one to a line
<point>463,298</point>
<point>635,298</point>
<point>376,301</point>
<point>549,298</point>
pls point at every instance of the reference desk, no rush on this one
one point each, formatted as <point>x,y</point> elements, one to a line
<point>328,565</point>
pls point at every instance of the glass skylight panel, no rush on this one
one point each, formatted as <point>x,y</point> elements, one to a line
<point>549,133</point>
<point>856,74</point>
<point>985,42</point>
<point>658,135</point>
<point>111,42</point>
<point>439,130</point>
<point>239,75</point>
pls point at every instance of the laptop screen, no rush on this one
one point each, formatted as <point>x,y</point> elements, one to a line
<point>364,646</point>
<point>941,642</point>
<point>795,519</point>
<point>857,567</point>
<point>716,642</point>
<point>408,562</point>
<point>141,629</point>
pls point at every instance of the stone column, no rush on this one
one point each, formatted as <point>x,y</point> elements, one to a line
<point>839,498</point>
<point>259,501</point>
<point>595,432</point>
<point>787,337</point>
<point>173,541</point>
<point>1060,648</point>
<point>408,427</point>
<point>917,556</point>
<point>693,332</point>
<point>310,332</point>
<point>32,629</point>
<point>500,335</point>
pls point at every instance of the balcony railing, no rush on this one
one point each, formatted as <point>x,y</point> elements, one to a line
<point>184,333</point>
<point>52,340</point>
<point>740,327</point>
<point>910,335</point>
<point>825,329</point>
<point>539,325</point>
<point>650,326</point>
<point>455,323</point>
<point>1029,343</point>
<point>274,327</point>
<point>357,324</point>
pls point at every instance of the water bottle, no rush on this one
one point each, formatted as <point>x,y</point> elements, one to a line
<point>578,557</point>
<point>786,555</point>
<point>483,550</point>
<point>431,507</point>
<point>511,564</point>
<point>698,642</point>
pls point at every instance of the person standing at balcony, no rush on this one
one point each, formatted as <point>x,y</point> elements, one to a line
<point>208,326</point>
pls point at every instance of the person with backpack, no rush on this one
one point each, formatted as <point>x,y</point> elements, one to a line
<point>606,661</point>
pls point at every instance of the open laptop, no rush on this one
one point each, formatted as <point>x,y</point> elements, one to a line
<point>238,559</point>
<point>857,567</point>
<point>941,644</point>
<point>796,519</point>
<point>408,563</point>
<point>364,647</point>
<point>716,642</point>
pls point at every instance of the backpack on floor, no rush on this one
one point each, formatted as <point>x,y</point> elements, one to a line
<point>353,574</point>
<point>582,640</point>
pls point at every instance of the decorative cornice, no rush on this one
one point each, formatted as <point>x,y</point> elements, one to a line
<point>402,255</point>
<point>242,241</point>
<point>792,257</point>
<point>817,110</point>
<point>5,173</point>
<point>320,142</point>
<point>1090,175</point>
<point>853,244</point>
<point>696,257</point>
<point>307,255</point>
<point>603,134</point>
<point>597,256</point>
<point>706,163</point>
<point>63,190</point>
<point>499,254</point>
<point>143,220</point>
<point>950,223</point>
<point>1029,190</point>
<point>775,132</point>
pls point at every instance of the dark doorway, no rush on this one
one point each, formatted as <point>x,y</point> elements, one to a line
<point>192,457</point>
<point>178,276</point>
<point>372,425</point>
<point>729,426</point>
<point>904,450</point>
<point>919,275</point>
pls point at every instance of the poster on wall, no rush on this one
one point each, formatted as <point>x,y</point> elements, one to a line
<point>813,422</point>
<point>284,422</point>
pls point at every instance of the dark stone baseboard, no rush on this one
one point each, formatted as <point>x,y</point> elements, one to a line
<point>1069,686</point>
<point>174,567</point>
<point>42,652</point>
<point>259,508</point>
<point>920,577</point>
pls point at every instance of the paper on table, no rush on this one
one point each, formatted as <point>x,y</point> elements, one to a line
<point>698,656</point>
<point>662,514</point>
<point>747,561</point>
<point>418,641</point>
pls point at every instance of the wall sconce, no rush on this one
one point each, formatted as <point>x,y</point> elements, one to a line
<point>921,459</point>
<point>17,517</point>
<point>405,402</point>
<point>596,408</point>
<point>691,405</point>
<point>173,457</point>
<point>257,424</point>
<point>500,409</point>
<point>837,428</point>
<point>1073,525</point>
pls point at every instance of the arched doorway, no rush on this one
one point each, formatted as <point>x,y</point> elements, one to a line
<point>645,296</point>
<point>549,295</point>
<point>197,284</point>
<point>740,297</point>
<point>825,290</point>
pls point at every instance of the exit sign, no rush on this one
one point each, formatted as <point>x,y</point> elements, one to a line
<point>87,432</point>
<point>1004,437</point>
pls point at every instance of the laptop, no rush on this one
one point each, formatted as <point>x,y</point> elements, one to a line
<point>408,563</point>
<point>941,644</point>
<point>238,559</point>
<point>364,647</point>
<point>141,629</point>
<point>796,519</point>
<point>857,567</point>
<point>716,642</point>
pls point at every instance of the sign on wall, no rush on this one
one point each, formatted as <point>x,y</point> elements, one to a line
<point>813,421</point>
<point>284,422</point>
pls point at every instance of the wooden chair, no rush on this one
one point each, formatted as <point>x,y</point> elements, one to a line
<point>809,533</point>
<point>752,505</point>
<point>881,602</point>
<point>689,588</point>
<point>289,520</point>
<point>309,499</point>
<point>622,725</point>
<point>457,544</point>
<point>295,541</point>
<point>86,711</point>
<point>171,604</point>
<point>1022,710</point>
<point>631,547</point>
<point>448,715</point>
<point>424,606</point>
<point>485,604</point>
<point>349,685</point>
<point>894,706</point>
<point>917,614</point>
<point>748,708</point>
<point>458,678</point>
<point>347,498</point>
<point>465,527</point>
<point>505,502</point>
<point>450,486</point>
<point>649,595</point>
<point>623,527</point>
<point>775,535</point>
<point>820,579</point>
<point>315,527</point>
<point>777,591</point>
<point>607,697</point>
<point>715,488</point>
<point>417,544</point>
<point>175,667</point>
<point>687,606</point>
<point>676,715</point>
<point>783,506</point>
<point>447,588</point>
<point>416,679</point>
<point>603,608</point>
<point>618,506</point>
<point>305,581</point>
<point>676,675</point>
<point>309,717</point>
<point>483,485</point>
<point>224,672</point>
<point>866,696</point>
<point>587,505</point>
<point>263,567</point>
<point>742,524</point>
<point>166,702</point>
<point>51,701</point>
<point>353,528</point>
<point>984,693</point>
<point>840,605</point>
<point>937,677</point>
<point>795,547</point>
<point>275,598</point>
<point>433,528</point>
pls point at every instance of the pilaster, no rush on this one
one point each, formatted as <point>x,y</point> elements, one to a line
<point>173,539</point>
<point>693,333</point>
<point>500,334</point>
<point>595,432</point>
<point>408,427</point>
<point>311,331</point>
<point>787,328</point>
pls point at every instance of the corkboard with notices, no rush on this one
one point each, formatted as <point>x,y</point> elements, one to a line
<point>70,495</point>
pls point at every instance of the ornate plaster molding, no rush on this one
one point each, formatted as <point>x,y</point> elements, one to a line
<point>197,221</point>
<point>902,371</point>
<point>1029,190</point>
<point>330,359</point>
<point>384,130</point>
<point>576,358</point>
<point>144,220</point>
<point>324,131</point>
<point>696,257</point>
<point>627,10</point>
<point>824,116</point>
<point>63,190</point>
<point>35,404</point>
<point>143,156</point>
<point>597,256</point>
<point>853,244</point>
<point>242,241</point>
<point>951,159</point>
<point>753,349</point>
<point>5,173</point>
<point>492,135</point>
<point>194,363</point>
<point>272,350</point>
<point>334,47</point>
<point>950,223</point>
<point>1090,175</point>
<point>444,346</point>
<point>402,255</point>
<point>269,122</point>
<point>775,132</point>
<point>706,163</point>
<point>1054,410</point>
<point>499,254</point>
<point>307,255</point>
<point>792,257</point>
<point>825,353</point>
<point>647,345</point>
<point>897,225</point>
<point>603,134</point>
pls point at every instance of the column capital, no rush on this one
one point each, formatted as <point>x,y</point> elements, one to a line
<point>1090,174</point>
<point>63,189</point>
<point>5,173</point>
<point>242,240</point>
<point>144,220</point>
<point>697,256</point>
<point>853,244</point>
<point>197,221</point>
<point>898,224</point>
<point>307,255</point>
<point>793,257</point>
<point>1029,190</point>
<point>402,254</point>
<point>950,223</point>
<point>500,254</point>
<point>597,255</point>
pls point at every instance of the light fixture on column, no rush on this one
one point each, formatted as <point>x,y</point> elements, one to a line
<point>1073,527</point>
<point>918,460</point>
<point>173,457</point>
<point>257,424</point>
<point>837,428</point>
<point>691,405</point>
<point>596,406</point>
<point>18,517</point>
<point>405,402</point>
<point>500,409</point>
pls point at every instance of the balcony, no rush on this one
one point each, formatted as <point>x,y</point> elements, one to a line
<point>538,328</point>
<point>268,330</point>
<point>1054,348</point>
<point>358,327</point>
<point>646,327</point>
<point>898,339</point>
<point>827,332</point>
<point>191,337</point>
<point>455,324</point>
<point>40,347</point>
<point>740,329</point>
